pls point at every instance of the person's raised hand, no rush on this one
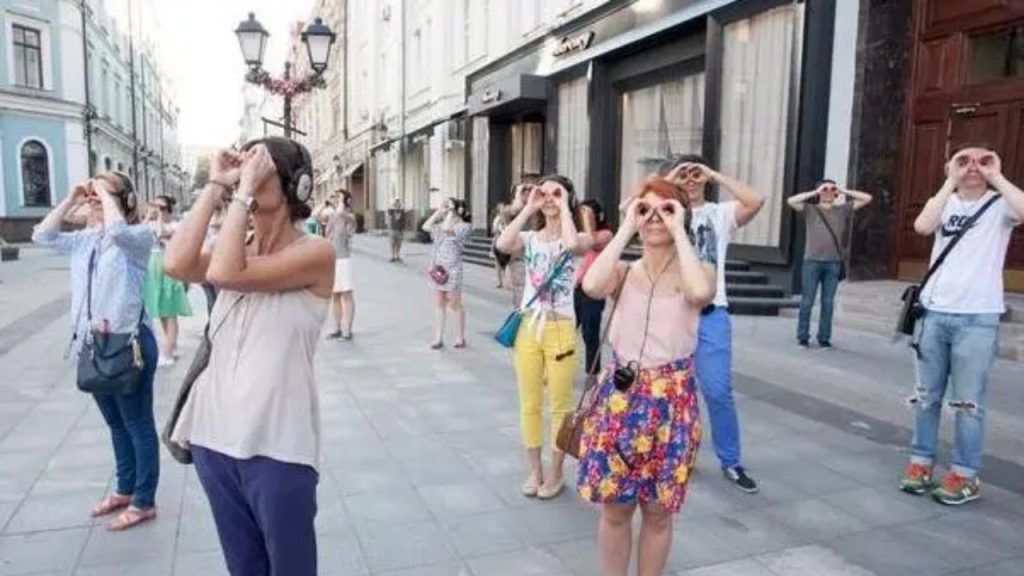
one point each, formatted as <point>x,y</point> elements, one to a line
<point>257,167</point>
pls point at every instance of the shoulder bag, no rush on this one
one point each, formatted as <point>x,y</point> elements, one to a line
<point>570,431</point>
<point>506,335</point>
<point>109,362</point>
<point>835,239</point>
<point>199,363</point>
<point>912,309</point>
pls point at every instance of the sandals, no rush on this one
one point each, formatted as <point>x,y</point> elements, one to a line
<point>437,345</point>
<point>460,344</point>
<point>132,517</point>
<point>530,487</point>
<point>111,504</point>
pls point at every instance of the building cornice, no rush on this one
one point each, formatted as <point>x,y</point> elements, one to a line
<point>40,104</point>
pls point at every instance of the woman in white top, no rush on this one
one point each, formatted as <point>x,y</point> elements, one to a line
<point>253,418</point>
<point>546,344</point>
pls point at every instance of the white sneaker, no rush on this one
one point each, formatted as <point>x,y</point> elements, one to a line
<point>164,362</point>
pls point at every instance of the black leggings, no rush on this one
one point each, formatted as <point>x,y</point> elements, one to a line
<point>588,319</point>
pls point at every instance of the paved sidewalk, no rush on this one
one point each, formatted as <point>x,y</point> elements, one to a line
<point>422,461</point>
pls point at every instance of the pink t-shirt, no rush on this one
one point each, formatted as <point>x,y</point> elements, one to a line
<point>671,334</point>
<point>601,239</point>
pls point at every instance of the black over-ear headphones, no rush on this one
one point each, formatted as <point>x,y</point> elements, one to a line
<point>300,180</point>
<point>129,201</point>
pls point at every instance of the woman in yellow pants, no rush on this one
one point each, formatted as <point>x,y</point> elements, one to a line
<point>546,344</point>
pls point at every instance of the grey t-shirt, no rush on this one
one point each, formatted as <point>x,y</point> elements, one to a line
<point>396,219</point>
<point>820,245</point>
<point>340,228</point>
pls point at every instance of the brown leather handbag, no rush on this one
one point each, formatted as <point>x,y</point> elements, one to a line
<point>570,431</point>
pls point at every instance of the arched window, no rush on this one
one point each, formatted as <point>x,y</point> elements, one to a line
<point>120,167</point>
<point>35,174</point>
<point>108,165</point>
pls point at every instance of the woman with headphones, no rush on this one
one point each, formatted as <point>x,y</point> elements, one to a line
<point>449,229</point>
<point>252,419</point>
<point>546,344</point>
<point>109,258</point>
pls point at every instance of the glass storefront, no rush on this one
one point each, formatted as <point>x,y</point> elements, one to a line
<point>657,122</point>
<point>760,64</point>
<point>574,133</point>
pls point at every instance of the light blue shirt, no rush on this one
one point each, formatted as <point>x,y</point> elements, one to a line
<point>119,274</point>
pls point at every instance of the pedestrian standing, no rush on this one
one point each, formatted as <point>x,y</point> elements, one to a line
<point>166,298</point>
<point>592,220</point>
<point>337,219</point>
<point>957,339</point>
<point>717,220</point>
<point>828,216</point>
<point>449,229</point>
<point>501,260</point>
<point>108,270</point>
<point>395,216</point>
<point>545,348</point>
<point>252,420</point>
<point>640,440</point>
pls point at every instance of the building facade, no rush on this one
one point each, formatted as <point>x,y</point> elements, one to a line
<point>464,97</point>
<point>67,94</point>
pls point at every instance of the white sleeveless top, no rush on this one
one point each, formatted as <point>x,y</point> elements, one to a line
<point>258,396</point>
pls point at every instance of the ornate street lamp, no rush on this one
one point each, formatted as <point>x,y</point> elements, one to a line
<point>252,39</point>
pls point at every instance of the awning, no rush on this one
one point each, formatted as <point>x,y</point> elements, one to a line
<point>509,95</point>
<point>347,173</point>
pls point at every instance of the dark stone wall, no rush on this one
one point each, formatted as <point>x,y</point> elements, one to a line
<point>880,96</point>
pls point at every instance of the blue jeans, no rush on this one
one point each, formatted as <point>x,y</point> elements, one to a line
<point>714,378</point>
<point>264,510</point>
<point>825,273</point>
<point>133,430</point>
<point>957,349</point>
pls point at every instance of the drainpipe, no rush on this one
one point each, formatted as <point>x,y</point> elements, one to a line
<point>131,72</point>
<point>84,8</point>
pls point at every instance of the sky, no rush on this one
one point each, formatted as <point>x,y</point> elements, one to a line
<point>197,48</point>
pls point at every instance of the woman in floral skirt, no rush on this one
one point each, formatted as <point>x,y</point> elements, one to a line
<point>641,435</point>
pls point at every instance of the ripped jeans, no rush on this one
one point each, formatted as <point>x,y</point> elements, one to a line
<point>956,349</point>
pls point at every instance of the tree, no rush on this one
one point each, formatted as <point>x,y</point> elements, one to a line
<point>202,173</point>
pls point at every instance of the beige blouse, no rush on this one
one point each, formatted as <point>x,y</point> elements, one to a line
<point>258,396</point>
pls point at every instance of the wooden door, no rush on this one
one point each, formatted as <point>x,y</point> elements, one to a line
<point>949,108</point>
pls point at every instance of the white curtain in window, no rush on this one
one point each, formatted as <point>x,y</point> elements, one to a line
<point>480,157</point>
<point>657,122</point>
<point>574,132</point>
<point>759,60</point>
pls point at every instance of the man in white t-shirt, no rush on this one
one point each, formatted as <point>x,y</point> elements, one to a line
<point>958,337</point>
<point>715,222</point>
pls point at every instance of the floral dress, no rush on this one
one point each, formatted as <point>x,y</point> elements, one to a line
<point>449,244</point>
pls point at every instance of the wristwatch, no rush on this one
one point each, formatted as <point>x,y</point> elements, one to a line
<point>248,202</point>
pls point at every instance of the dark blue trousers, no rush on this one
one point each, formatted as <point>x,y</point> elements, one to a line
<point>264,510</point>
<point>133,430</point>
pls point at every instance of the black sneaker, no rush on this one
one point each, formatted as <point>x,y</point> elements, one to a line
<point>336,335</point>
<point>826,344</point>
<point>738,476</point>
<point>804,343</point>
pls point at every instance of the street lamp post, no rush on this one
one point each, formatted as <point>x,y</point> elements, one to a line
<point>252,39</point>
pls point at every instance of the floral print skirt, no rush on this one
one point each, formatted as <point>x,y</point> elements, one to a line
<point>640,445</point>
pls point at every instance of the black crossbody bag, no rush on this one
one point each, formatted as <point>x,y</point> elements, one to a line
<point>912,309</point>
<point>109,362</point>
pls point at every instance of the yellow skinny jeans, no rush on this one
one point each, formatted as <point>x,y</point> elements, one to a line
<point>537,357</point>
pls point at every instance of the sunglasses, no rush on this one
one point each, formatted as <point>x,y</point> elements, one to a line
<point>964,160</point>
<point>645,208</point>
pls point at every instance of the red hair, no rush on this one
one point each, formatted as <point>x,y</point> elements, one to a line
<point>663,189</point>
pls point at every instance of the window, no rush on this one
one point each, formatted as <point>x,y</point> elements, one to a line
<point>117,108</point>
<point>658,122</point>
<point>573,131</point>
<point>997,55</point>
<point>35,174</point>
<point>335,115</point>
<point>107,164</point>
<point>28,57</point>
<point>103,101</point>
<point>760,64</point>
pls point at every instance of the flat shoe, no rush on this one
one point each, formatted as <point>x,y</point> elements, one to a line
<point>545,493</point>
<point>132,517</point>
<point>110,504</point>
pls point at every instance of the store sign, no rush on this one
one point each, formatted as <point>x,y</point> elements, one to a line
<point>574,43</point>
<point>490,96</point>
